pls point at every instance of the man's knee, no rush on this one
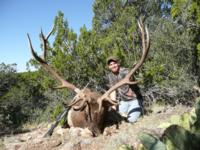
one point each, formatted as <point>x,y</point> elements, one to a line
<point>132,117</point>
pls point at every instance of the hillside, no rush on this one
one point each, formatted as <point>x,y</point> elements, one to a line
<point>73,139</point>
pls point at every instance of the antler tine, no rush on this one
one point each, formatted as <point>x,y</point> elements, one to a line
<point>47,37</point>
<point>139,21</point>
<point>49,34</point>
<point>148,39</point>
<point>64,83</point>
<point>44,40</point>
<point>100,101</point>
<point>33,52</point>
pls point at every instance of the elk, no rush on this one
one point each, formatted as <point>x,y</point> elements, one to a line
<point>88,108</point>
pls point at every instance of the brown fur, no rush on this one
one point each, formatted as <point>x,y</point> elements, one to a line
<point>89,116</point>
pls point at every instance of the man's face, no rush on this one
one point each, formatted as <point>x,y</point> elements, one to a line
<point>114,67</point>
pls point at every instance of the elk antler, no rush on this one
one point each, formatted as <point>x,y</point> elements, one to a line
<point>42,61</point>
<point>127,78</point>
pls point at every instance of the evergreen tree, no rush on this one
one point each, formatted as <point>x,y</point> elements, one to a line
<point>187,14</point>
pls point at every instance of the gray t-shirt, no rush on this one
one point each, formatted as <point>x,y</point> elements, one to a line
<point>121,91</point>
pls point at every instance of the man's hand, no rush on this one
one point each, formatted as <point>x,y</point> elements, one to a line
<point>124,114</point>
<point>114,107</point>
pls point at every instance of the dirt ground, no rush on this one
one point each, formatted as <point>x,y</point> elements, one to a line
<point>79,139</point>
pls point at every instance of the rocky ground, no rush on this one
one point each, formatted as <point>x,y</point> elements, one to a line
<point>79,139</point>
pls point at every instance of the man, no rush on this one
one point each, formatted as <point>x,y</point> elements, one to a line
<point>128,95</point>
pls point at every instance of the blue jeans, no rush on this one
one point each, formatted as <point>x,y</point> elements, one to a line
<point>130,108</point>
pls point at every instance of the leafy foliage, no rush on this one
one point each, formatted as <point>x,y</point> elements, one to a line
<point>183,133</point>
<point>187,13</point>
<point>7,77</point>
<point>151,142</point>
<point>18,103</point>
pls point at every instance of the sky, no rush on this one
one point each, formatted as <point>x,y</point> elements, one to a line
<point>19,17</point>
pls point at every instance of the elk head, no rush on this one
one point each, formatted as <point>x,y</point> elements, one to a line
<point>88,107</point>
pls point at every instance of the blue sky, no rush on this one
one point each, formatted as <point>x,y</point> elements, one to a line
<point>19,17</point>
